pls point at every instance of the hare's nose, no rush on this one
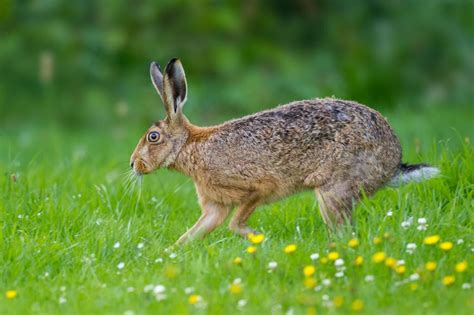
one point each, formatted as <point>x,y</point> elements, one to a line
<point>131,164</point>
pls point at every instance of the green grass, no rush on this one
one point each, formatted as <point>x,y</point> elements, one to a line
<point>67,206</point>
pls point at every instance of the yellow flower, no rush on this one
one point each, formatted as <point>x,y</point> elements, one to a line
<point>353,243</point>
<point>400,269</point>
<point>333,255</point>
<point>378,257</point>
<point>235,288</point>
<point>359,260</point>
<point>171,272</point>
<point>357,305</point>
<point>431,240</point>
<point>386,235</point>
<point>377,240</point>
<point>413,286</point>
<point>338,301</point>
<point>251,249</point>
<point>448,280</point>
<point>237,260</point>
<point>256,238</point>
<point>309,270</point>
<point>194,299</point>
<point>309,282</point>
<point>311,310</point>
<point>324,260</point>
<point>390,262</point>
<point>430,266</point>
<point>461,267</point>
<point>290,249</point>
<point>10,294</point>
<point>446,246</point>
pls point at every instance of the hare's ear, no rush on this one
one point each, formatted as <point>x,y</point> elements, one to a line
<point>157,78</point>
<point>174,89</point>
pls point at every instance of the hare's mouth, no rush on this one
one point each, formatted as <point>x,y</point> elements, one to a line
<point>141,167</point>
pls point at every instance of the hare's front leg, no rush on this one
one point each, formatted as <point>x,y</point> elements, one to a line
<point>238,224</point>
<point>213,214</point>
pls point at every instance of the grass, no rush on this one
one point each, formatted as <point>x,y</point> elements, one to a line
<point>64,204</point>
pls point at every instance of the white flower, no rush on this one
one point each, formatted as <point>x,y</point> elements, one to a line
<point>117,245</point>
<point>422,221</point>
<point>188,290</point>
<point>241,303</point>
<point>325,297</point>
<point>314,256</point>
<point>140,245</point>
<point>237,281</point>
<point>460,241</point>
<point>389,213</point>
<point>339,274</point>
<point>400,262</point>
<point>339,262</point>
<point>318,288</point>
<point>414,277</point>
<point>159,289</point>
<point>129,312</point>
<point>272,265</point>
<point>411,248</point>
<point>173,255</point>
<point>466,286</point>
<point>121,265</point>
<point>130,289</point>
<point>159,260</point>
<point>326,282</point>
<point>62,288</point>
<point>62,300</point>
<point>160,297</point>
<point>369,278</point>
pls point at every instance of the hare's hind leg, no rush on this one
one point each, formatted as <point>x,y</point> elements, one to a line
<point>336,202</point>
<point>213,214</point>
<point>238,224</point>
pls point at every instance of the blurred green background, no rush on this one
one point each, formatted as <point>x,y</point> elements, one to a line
<point>80,65</point>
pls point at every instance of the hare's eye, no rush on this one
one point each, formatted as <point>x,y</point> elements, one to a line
<point>154,136</point>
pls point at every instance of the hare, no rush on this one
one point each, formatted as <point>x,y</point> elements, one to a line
<point>340,149</point>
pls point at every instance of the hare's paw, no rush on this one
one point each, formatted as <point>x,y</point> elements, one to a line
<point>242,230</point>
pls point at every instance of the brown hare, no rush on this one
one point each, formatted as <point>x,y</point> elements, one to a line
<point>337,148</point>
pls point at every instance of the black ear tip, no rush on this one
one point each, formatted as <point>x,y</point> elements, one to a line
<point>170,65</point>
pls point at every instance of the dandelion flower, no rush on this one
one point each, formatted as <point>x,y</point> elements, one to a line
<point>448,280</point>
<point>237,260</point>
<point>194,299</point>
<point>333,256</point>
<point>309,270</point>
<point>378,257</point>
<point>251,249</point>
<point>353,243</point>
<point>430,266</point>
<point>309,282</point>
<point>255,238</point>
<point>431,240</point>
<point>357,305</point>
<point>324,260</point>
<point>235,288</point>
<point>390,262</point>
<point>377,240</point>
<point>359,260</point>
<point>290,249</point>
<point>446,246</point>
<point>338,301</point>
<point>413,286</point>
<point>11,294</point>
<point>400,269</point>
<point>461,267</point>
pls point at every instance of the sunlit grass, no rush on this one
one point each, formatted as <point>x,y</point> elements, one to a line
<point>79,235</point>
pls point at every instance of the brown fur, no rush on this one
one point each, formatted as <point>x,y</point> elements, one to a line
<point>336,148</point>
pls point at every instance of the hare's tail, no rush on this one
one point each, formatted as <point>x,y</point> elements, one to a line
<point>413,173</point>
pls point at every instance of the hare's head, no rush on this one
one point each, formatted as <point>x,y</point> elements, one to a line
<point>162,142</point>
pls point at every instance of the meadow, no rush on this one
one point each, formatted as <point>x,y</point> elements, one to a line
<point>78,237</point>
